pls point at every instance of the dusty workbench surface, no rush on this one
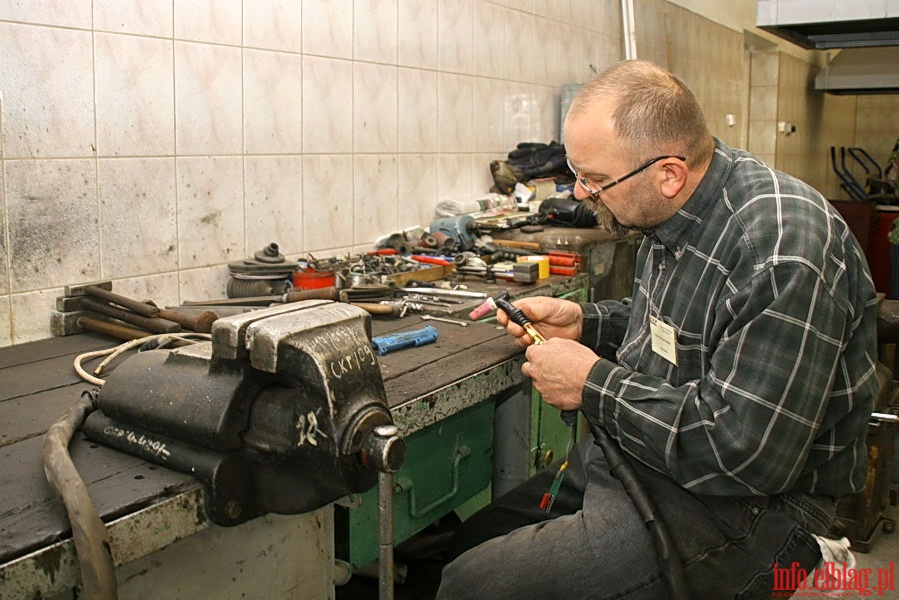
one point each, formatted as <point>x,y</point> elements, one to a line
<point>146,506</point>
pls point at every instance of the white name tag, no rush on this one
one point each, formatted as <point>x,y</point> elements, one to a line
<point>664,340</point>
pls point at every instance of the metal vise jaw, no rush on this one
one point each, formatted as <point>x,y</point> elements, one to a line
<point>283,411</point>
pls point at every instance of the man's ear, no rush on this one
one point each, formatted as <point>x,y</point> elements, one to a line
<point>673,176</point>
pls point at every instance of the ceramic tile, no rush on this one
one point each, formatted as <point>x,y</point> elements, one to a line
<point>47,82</point>
<point>550,9</point>
<point>454,113</point>
<point>375,197</point>
<point>762,136</point>
<point>327,105</point>
<point>417,33</point>
<point>417,189</point>
<point>417,104</point>
<point>5,322</point>
<point>31,314</point>
<point>274,202</point>
<point>204,283</point>
<point>273,114</point>
<point>328,28</point>
<point>4,245</point>
<point>161,288</point>
<point>454,38</point>
<point>545,124</point>
<point>64,13</point>
<point>488,40</point>
<point>216,21</point>
<point>135,98</point>
<point>764,67</point>
<point>487,117</point>
<point>273,24</point>
<point>518,40</point>
<point>763,102</point>
<point>327,201</point>
<point>375,31</point>
<point>52,212</point>
<point>517,114</point>
<point>454,181</point>
<point>210,210</point>
<point>133,193</point>
<point>207,99</point>
<point>549,66</point>
<point>374,108</point>
<point>143,17</point>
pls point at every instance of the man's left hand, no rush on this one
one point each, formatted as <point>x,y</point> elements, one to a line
<point>559,369</point>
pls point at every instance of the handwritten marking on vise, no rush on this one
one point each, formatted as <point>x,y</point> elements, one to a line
<point>150,445</point>
<point>362,356</point>
<point>307,426</point>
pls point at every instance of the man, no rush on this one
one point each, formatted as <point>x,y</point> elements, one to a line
<point>738,379</point>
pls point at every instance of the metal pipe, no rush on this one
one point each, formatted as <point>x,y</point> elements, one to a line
<point>435,291</point>
<point>628,29</point>
<point>153,324</point>
<point>385,535</point>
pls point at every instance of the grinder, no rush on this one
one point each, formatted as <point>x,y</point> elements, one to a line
<point>283,411</point>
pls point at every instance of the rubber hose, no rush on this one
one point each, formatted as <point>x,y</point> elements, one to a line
<point>88,531</point>
<point>623,471</point>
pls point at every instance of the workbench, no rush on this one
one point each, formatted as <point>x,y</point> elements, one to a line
<point>161,538</point>
<point>472,424</point>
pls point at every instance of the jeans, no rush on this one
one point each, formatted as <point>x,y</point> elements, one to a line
<point>593,544</point>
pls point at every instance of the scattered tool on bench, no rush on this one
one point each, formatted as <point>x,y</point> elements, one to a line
<point>444,320</point>
<point>95,307</point>
<point>392,342</point>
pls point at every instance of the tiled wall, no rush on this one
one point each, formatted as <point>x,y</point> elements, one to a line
<point>153,141</point>
<point>877,125</point>
<point>709,58</point>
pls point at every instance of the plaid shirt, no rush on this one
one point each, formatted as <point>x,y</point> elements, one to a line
<point>774,312</point>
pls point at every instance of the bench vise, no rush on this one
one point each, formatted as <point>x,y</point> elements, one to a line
<point>283,411</point>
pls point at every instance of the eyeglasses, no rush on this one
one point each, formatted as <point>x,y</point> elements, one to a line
<point>595,192</point>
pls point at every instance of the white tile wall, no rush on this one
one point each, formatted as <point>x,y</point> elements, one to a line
<point>153,141</point>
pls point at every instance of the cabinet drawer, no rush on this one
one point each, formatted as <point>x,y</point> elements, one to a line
<point>446,465</point>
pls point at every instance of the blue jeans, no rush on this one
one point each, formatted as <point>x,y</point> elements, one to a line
<point>594,545</point>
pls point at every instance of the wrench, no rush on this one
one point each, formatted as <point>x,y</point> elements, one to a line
<point>444,319</point>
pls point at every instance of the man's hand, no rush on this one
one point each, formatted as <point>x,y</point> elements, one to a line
<point>559,370</point>
<point>552,317</point>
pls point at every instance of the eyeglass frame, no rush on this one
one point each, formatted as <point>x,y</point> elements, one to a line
<point>594,193</point>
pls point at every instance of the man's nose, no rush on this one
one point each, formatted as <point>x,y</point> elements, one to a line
<point>579,192</point>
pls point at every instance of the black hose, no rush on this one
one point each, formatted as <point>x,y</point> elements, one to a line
<point>623,471</point>
<point>88,531</point>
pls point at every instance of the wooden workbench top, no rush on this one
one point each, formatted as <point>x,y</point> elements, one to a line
<point>464,366</point>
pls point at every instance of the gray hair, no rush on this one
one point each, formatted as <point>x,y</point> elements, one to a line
<point>655,112</point>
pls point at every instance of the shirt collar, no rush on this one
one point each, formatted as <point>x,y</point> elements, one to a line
<point>676,232</point>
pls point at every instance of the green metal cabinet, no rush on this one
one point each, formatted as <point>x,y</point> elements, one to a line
<point>448,464</point>
<point>449,467</point>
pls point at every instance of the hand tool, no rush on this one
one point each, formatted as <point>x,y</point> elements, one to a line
<point>516,315</point>
<point>406,339</point>
<point>444,320</point>
<point>151,324</point>
<point>435,291</point>
<point>201,323</point>
<point>620,468</point>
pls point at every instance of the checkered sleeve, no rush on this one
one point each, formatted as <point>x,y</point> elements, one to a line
<point>751,422</point>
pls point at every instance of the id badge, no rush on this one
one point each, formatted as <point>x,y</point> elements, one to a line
<point>664,339</point>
